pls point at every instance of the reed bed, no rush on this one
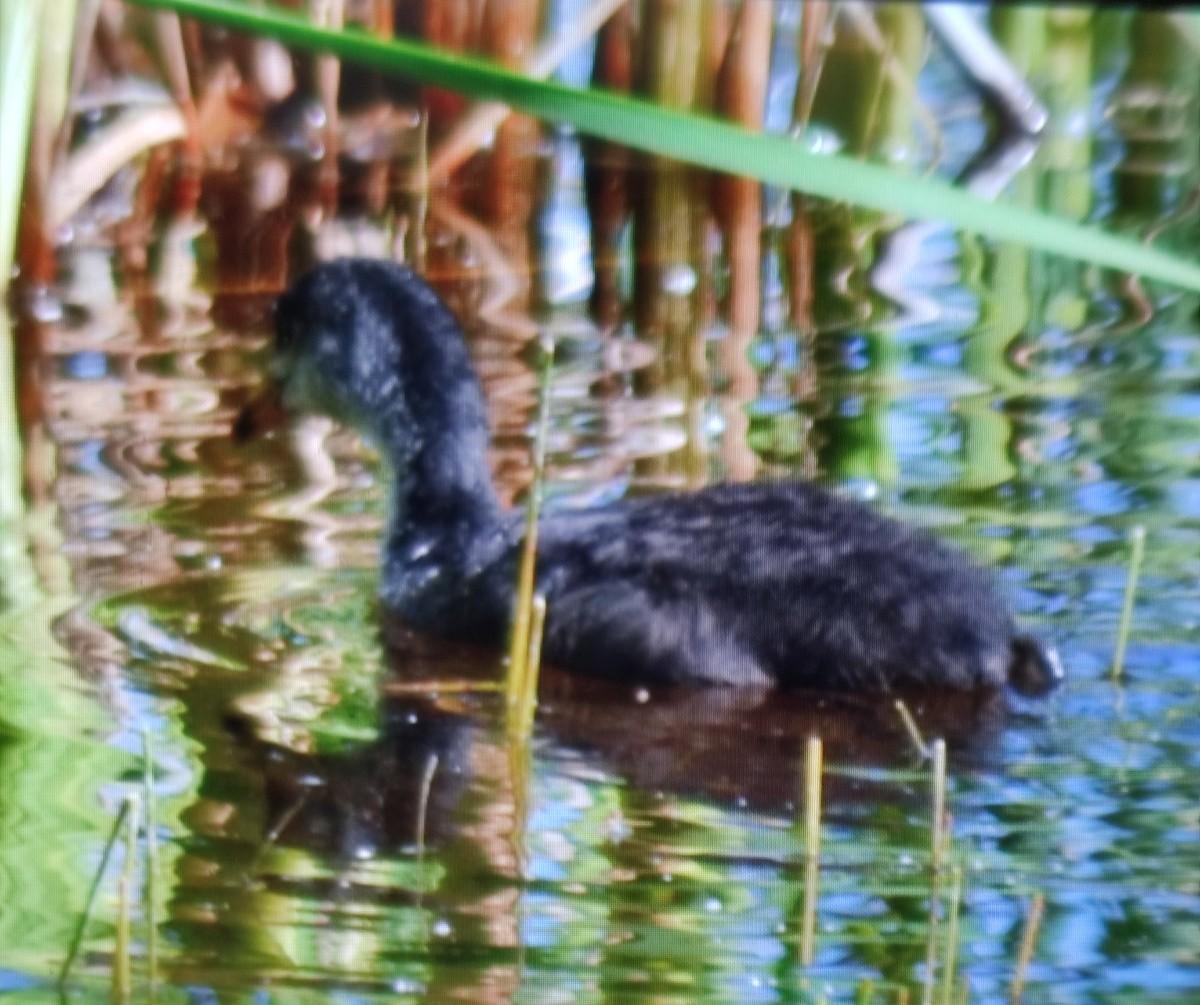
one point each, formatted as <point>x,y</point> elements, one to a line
<point>688,137</point>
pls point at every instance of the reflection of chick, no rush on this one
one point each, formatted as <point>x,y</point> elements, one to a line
<point>738,584</point>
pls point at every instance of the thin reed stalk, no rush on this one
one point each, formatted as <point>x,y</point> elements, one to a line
<point>935,911</point>
<point>813,768</point>
<point>952,935</point>
<point>910,727</point>
<point>431,766</point>
<point>151,889</point>
<point>329,14</point>
<point>1137,554</point>
<point>87,18</point>
<point>938,829</point>
<point>417,197</point>
<point>12,503</point>
<point>527,705</point>
<point>20,27</point>
<point>1029,935</point>
<point>518,653</point>
<point>122,972</point>
<point>931,945</point>
<point>519,767</point>
<point>813,43</point>
<point>479,124</point>
<point>77,939</point>
<point>50,103</point>
<point>273,834</point>
<point>445,687</point>
<point>517,686</point>
<point>741,95</point>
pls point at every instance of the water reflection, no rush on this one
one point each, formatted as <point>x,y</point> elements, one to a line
<point>435,822</point>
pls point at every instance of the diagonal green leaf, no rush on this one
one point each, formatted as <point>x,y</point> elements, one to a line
<point>707,142</point>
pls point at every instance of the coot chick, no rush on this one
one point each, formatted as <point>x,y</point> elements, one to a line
<point>784,584</point>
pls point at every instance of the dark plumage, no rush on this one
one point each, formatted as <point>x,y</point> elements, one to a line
<point>737,584</point>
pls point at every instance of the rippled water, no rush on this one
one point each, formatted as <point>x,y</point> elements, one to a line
<point>338,810</point>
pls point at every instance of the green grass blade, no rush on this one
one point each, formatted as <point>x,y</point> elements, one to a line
<point>19,30</point>
<point>708,142</point>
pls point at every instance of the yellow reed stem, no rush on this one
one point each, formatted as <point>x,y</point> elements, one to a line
<point>77,938</point>
<point>1137,553</point>
<point>813,767</point>
<point>910,727</point>
<point>1033,922</point>
<point>937,837</point>
<point>122,968</point>
<point>151,889</point>
<point>956,889</point>
<point>533,666</point>
<point>518,653</point>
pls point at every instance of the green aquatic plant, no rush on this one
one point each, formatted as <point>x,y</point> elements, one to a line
<point>1137,555</point>
<point>706,142</point>
<point>20,27</point>
<point>124,824</point>
<point>814,767</point>
<point>525,644</point>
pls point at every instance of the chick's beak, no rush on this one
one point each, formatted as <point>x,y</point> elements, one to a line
<point>263,413</point>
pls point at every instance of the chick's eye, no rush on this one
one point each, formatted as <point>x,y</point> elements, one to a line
<point>279,312</point>
<point>290,333</point>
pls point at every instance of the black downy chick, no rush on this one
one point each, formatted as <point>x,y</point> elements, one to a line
<point>784,583</point>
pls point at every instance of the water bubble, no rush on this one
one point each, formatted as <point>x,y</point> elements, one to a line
<point>679,280</point>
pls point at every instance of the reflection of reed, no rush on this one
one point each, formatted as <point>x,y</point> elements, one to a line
<point>888,49</point>
<point>606,174</point>
<point>814,766</point>
<point>474,129</point>
<point>502,306</point>
<point>741,95</point>
<point>150,399</point>
<point>670,228</point>
<point>814,38</point>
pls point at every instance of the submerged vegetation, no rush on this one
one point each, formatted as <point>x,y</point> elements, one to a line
<point>347,813</point>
